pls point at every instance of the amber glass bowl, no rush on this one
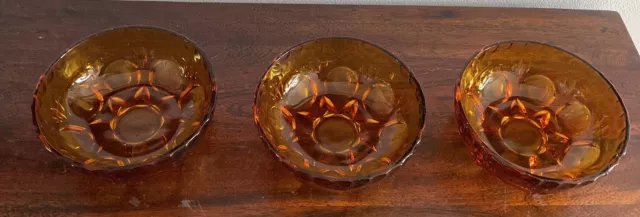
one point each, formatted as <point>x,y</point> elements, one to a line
<point>340,112</point>
<point>539,117</point>
<point>124,98</point>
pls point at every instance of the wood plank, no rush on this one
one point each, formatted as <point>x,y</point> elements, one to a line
<point>230,172</point>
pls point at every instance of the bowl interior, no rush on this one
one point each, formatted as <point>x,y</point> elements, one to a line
<point>543,110</point>
<point>339,108</point>
<point>124,97</point>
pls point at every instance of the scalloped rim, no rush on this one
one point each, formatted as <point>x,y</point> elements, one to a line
<point>384,172</point>
<point>206,119</point>
<point>580,181</point>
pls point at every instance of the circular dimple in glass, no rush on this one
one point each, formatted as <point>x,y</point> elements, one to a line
<point>168,73</point>
<point>393,136</point>
<point>495,87</point>
<point>341,80</point>
<point>575,116</point>
<point>342,74</point>
<point>138,125</point>
<point>137,120</point>
<point>538,87</point>
<point>336,133</point>
<point>119,74</point>
<point>301,90</point>
<point>379,99</point>
<point>580,157</point>
<point>119,66</point>
<point>522,136</point>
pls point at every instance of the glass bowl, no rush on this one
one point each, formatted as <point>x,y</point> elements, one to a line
<point>124,98</point>
<point>539,117</point>
<point>339,112</point>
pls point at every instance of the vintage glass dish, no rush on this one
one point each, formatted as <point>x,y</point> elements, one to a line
<point>340,112</point>
<point>124,98</point>
<point>539,117</point>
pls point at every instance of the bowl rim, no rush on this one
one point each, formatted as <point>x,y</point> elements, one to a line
<point>383,172</point>
<point>205,120</point>
<point>578,181</point>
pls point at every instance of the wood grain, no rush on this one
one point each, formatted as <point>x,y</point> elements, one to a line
<point>229,172</point>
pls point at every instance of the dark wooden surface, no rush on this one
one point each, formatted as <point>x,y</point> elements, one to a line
<point>229,172</point>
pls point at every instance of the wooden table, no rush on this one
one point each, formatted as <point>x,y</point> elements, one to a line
<point>230,172</point>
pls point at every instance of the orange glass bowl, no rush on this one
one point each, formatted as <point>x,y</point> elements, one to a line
<point>539,117</point>
<point>339,112</point>
<point>124,98</point>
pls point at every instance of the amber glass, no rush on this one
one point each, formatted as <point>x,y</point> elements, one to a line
<point>340,112</point>
<point>539,117</point>
<point>124,98</point>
